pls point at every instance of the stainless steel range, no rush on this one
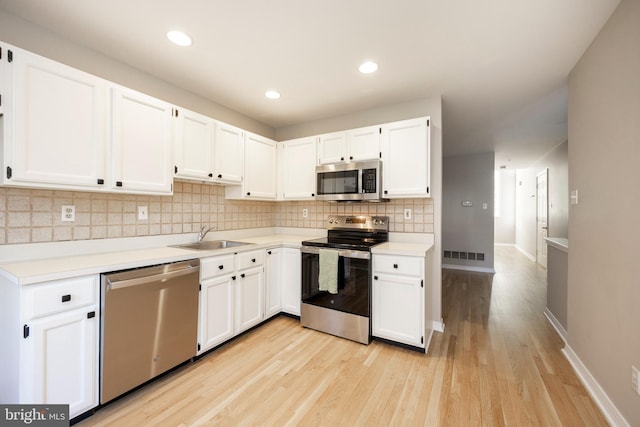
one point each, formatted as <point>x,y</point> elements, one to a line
<point>336,276</point>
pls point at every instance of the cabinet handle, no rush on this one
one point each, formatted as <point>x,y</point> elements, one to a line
<point>341,158</point>
<point>375,277</point>
<point>248,193</point>
<point>100,181</point>
<point>66,298</point>
<point>233,277</point>
<point>242,275</point>
<point>91,315</point>
<point>25,331</point>
<point>219,175</point>
<point>220,267</point>
<point>395,265</point>
<point>269,252</point>
<point>253,260</point>
<point>313,194</point>
<point>210,175</point>
<point>118,183</point>
<point>350,157</point>
<point>385,191</point>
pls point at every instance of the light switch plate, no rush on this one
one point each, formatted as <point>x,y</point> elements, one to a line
<point>407,214</point>
<point>143,213</point>
<point>467,203</point>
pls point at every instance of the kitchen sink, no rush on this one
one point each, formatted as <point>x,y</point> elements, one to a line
<point>215,244</point>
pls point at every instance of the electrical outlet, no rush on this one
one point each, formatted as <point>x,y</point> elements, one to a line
<point>68,213</point>
<point>305,213</point>
<point>635,380</point>
<point>407,214</point>
<point>143,213</point>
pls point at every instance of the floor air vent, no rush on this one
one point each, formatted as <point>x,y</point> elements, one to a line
<point>473,256</point>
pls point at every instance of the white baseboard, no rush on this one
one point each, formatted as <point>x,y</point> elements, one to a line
<point>438,326</point>
<point>609,410</point>
<point>511,245</point>
<point>468,268</point>
<point>525,253</point>
<point>556,325</point>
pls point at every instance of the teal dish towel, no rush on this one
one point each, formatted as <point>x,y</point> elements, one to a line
<point>328,274</point>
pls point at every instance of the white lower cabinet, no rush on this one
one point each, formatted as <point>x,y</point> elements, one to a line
<point>398,312</point>
<point>291,280</point>
<point>54,359</point>
<point>272,282</point>
<point>249,298</point>
<point>216,312</point>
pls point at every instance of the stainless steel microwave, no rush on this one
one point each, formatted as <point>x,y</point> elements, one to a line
<point>345,182</point>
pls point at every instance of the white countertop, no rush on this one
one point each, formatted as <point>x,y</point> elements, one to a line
<point>398,248</point>
<point>54,268</point>
<point>558,243</point>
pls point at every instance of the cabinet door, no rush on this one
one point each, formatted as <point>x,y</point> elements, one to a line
<point>193,146</point>
<point>141,143</point>
<point>260,167</point>
<point>298,169</point>
<point>405,155</point>
<point>332,148</point>
<point>249,298</point>
<point>65,360</point>
<point>291,280</point>
<point>216,312</point>
<point>54,124</point>
<point>397,312</point>
<point>228,154</point>
<point>364,143</point>
<point>272,270</point>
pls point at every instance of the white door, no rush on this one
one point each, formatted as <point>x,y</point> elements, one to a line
<point>249,302</point>
<point>141,146</point>
<point>364,143</point>
<point>65,360</point>
<point>193,147</point>
<point>332,148</point>
<point>58,116</point>
<point>542,226</point>
<point>228,154</point>
<point>216,312</point>
<point>397,312</point>
<point>260,167</point>
<point>291,280</point>
<point>298,169</point>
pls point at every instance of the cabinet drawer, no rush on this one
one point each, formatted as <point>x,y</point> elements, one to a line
<point>54,297</point>
<point>217,266</point>
<point>395,264</point>
<point>250,259</point>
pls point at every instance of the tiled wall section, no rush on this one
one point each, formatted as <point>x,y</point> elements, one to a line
<point>29,216</point>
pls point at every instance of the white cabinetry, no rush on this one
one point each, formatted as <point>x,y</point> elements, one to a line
<point>216,310</point>
<point>249,290</point>
<point>54,124</point>
<point>398,312</point>
<point>272,281</point>
<point>228,154</point>
<point>260,170</point>
<point>193,146</point>
<point>141,143</point>
<point>405,151</point>
<point>350,146</point>
<point>55,357</point>
<point>291,280</point>
<point>297,169</point>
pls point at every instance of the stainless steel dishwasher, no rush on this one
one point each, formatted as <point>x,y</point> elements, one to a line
<point>149,324</point>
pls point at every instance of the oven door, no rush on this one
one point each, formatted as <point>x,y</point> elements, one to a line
<point>354,273</point>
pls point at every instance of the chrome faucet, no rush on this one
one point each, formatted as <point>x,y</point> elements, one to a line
<point>204,232</point>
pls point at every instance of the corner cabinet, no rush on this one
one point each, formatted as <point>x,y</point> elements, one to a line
<point>54,124</point>
<point>405,154</point>
<point>297,169</point>
<point>141,143</point>
<point>260,170</point>
<point>398,302</point>
<point>54,360</point>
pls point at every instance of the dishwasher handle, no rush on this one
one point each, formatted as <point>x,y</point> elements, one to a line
<point>119,284</point>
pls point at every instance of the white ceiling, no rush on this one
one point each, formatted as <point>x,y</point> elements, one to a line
<point>501,66</point>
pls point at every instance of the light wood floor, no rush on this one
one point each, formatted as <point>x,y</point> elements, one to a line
<point>497,363</point>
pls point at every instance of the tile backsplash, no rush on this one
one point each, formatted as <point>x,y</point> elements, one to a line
<point>30,216</point>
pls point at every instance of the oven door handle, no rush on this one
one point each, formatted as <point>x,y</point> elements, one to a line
<point>345,253</point>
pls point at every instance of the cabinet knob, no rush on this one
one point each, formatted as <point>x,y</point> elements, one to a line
<point>91,315</point>
<point>341,158</point>
<point>118,183</point>
<point>242,275</point>
<point>350,157</point>
<point>248,193</point>
<point>385,191</point>
<point>66,298</point>
<point>233,277</point>
<point>395,265</point>
<point>375,277</point>
<point>219,175</point>
<point>100,181</point>
<point>210,175</point>
<point>253,260</point>
<point>269,252</point>
<point>313,194</point>
<point>220,267</point>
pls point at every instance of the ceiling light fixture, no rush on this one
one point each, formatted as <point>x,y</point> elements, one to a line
<point>368,67</point>
<point>272,94</point>
<point>179,38</point>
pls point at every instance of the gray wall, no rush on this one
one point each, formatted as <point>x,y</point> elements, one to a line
<point>604,136</point>
<point>468,229</point>
<point>28,36</point>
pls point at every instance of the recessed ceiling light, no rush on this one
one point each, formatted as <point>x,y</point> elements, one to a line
<point>179,38</point>
<point>272,94</point>
<point>368,67</point>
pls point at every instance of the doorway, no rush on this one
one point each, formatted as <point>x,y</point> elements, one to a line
<point>542,216</point>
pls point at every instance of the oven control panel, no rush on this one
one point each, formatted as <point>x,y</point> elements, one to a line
<point>359,222</point>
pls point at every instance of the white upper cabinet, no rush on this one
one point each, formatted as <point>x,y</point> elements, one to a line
<point>260,170</point>
<point>141,143</point>
<point>193,146</point>
<point>298,169</point>
<point>349,146</point>
<point>228,154</point>
<point>405,150</point>
<point>54,123</point>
